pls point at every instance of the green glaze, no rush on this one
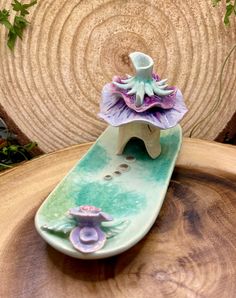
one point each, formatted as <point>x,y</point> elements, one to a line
<point>135,196</point>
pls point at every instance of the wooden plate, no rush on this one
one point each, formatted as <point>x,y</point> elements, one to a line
<point>189,252</point>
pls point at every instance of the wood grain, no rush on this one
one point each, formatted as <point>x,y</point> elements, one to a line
<point>228,135</point>
<point>50,85</point>
<point>189,252</point>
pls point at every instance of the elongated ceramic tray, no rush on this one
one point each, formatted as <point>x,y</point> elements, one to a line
<point>130,187</point>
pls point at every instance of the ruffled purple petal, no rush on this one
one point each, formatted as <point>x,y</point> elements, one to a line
<point>88,235</point>
<point>115,111</point>
<point>164,102</point>
<point>89,240</point>
<point>85,210</point>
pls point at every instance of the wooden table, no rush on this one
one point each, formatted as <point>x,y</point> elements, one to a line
<point>189,252</point>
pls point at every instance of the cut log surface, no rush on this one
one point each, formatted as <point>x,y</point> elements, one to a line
<point>189,252</point>
<point>50,85</point>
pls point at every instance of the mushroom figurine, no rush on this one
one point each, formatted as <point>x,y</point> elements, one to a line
<point>141,105</point>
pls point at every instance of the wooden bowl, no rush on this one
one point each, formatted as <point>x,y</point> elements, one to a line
<point>189,252</point>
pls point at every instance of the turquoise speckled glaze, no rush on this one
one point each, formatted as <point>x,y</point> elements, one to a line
<point>134,194</point>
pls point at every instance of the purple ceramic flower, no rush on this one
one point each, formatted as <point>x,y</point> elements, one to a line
<point>88,237</point>
<point>118,107</point>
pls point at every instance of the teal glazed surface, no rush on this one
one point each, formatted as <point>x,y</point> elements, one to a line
<point>135,196</point>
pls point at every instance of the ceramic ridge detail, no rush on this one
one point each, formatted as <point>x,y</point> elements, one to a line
<point>143,83</point>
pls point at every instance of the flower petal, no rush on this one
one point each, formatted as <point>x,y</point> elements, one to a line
<point>150,101</point>
<point>90,246</point>
<point>88,235</point>
<point>116,110</point>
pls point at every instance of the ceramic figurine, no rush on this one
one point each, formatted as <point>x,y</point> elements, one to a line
<point>113,195</point>
<point>141,105</point>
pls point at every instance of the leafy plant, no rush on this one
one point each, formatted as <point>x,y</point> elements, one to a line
<point>19,24</point>
<point>10,151</point>
<point>230,9</point>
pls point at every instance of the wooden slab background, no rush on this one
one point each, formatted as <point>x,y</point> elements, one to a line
<point>50,85</point>
<point>189,252</point>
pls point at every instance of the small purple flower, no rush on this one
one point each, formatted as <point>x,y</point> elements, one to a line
<point>88,237</point>
<point>118,107</point>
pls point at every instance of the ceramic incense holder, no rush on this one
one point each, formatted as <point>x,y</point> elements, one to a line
<point>112,197</point>
<point>141,105</point>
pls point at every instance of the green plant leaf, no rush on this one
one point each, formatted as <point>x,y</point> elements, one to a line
<point>20,23</point>
<point>11,152</point>
<point>28,147</point>
<point>4,166</point>
<point>17,6</point>
<point>229,10</point>
<point>4,15</point>
<point>11,40</point>
<point>22,8</point>
<point>32,3</point>
<point>4,150</point>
